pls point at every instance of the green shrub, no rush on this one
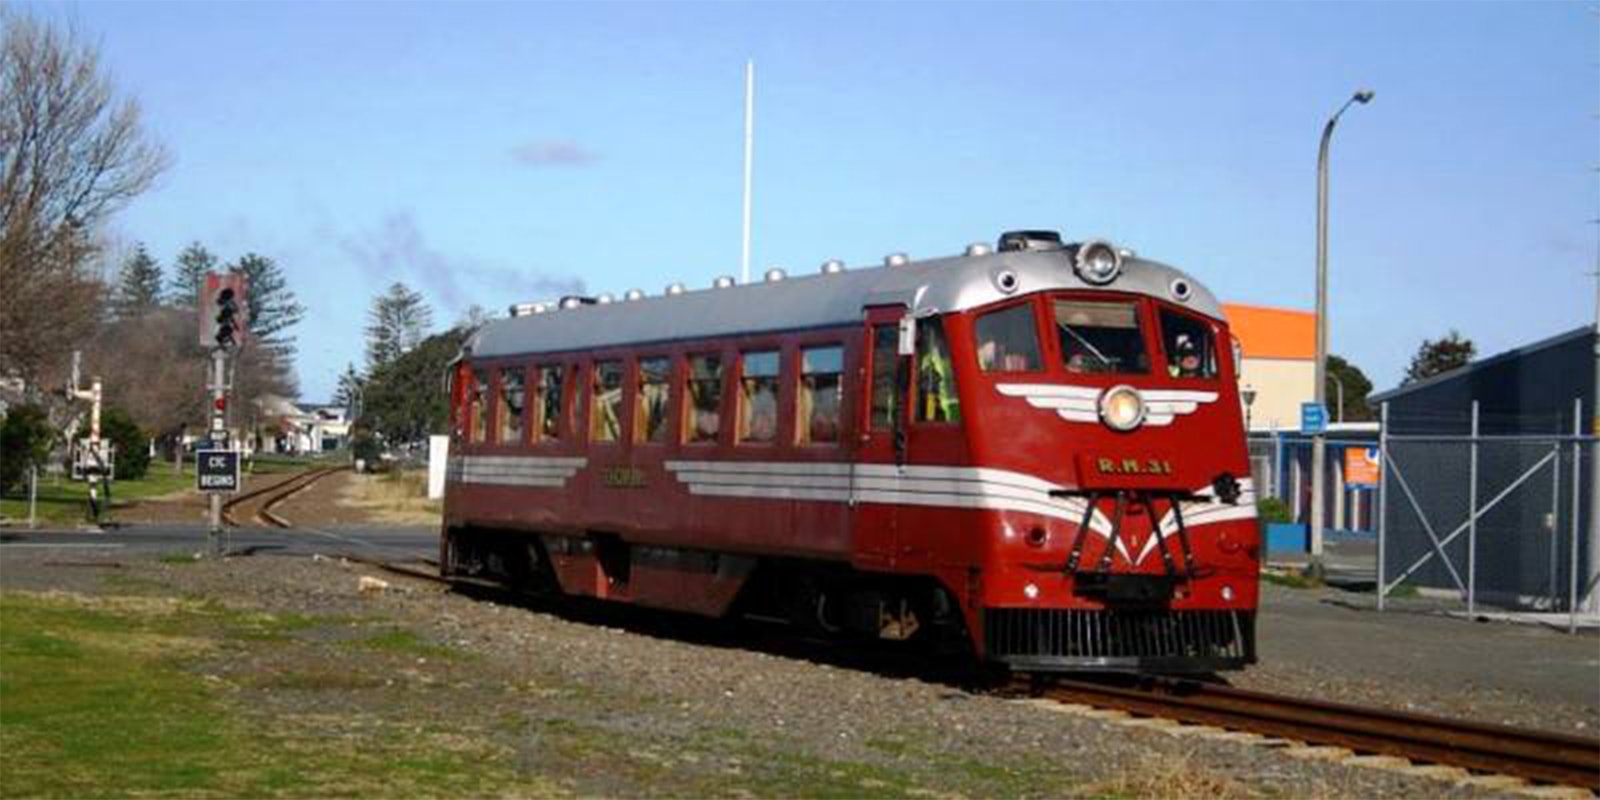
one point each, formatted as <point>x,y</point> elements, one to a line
<point>131,443</point>
<point>25,441</point>
<point>1271,510</point>
<point>366,447</point>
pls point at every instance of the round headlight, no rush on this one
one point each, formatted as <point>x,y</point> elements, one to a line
<point>1098,262</point>
<point>1121,408</point>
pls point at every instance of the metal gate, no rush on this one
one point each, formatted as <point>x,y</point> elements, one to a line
<point>1494,519</point>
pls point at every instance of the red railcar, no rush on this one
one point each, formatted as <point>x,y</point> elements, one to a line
<point>1034,452</point>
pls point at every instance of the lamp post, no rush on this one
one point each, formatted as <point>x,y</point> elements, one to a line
<point>1248,394</point>
<point>1319,444</point>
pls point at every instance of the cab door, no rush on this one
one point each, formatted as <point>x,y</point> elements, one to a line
<point>882,399</point>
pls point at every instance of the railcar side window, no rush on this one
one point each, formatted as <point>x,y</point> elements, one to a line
<point>1007,340</point>
<point>936,376</point>
<point>885,359</point>
<point>549,403</point>
<point>821,393</point>
<point>703,411</point>
<point>650,418</point>
<point>758,396</point>
<point>1101,337</point>
<point>1190,347</point>
<point>478,402</point>
<point>512,395</point>
<point>605,416</point>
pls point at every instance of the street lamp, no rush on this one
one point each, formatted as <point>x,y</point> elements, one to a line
<point>1319,444</point>
<point>1249,396</point>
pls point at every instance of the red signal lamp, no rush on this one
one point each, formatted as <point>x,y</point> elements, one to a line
<point>221,404</point>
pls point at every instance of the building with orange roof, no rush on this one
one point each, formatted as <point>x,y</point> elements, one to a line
<point>1279,348</point>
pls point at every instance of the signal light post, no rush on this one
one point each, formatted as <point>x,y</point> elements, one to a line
<point>222,326</point>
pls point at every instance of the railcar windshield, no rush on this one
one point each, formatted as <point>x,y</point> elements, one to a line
<point>1101,337</point>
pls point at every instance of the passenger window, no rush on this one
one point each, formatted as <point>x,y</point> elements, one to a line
<point>1007,340</point>
<point>821,392</point>
<point>703,411</point>
<point>512,395</point>
<point>758,397</point>
<point>1190,348</point>
<point>650,417</point>
<point>478,403</point>
<point>550,385</point>
<point>605,417</point>
<point>885,359</point>
<point>936,377</point>
<point>1101,337</point>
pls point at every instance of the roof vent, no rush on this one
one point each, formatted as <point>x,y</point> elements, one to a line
<point>605,299</point>
<point>896,260</point>
<point>979,249</point>
<point>633,294</point>
<point>675,288</point>
<point>1029,240</point>
<point>832,266</point>
<point>570,302</point>
<point>723,282</point>
<point>774,275</point>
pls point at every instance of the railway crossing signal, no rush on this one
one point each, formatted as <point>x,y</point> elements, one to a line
<point>223,315</point>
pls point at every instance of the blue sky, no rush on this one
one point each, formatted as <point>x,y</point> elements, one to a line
<point>496,152</point>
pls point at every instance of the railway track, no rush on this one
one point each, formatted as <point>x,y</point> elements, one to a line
<point>260,502</point>
<point>1538,756</point>
<point>1533,755</point>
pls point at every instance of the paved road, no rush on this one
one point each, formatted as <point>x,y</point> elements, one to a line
<point>366,541</point>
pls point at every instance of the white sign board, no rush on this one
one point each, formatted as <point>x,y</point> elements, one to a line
<point>438,457</point>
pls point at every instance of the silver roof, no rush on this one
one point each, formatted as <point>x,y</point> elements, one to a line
<point>820,300</point>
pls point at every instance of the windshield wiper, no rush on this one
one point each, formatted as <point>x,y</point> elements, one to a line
<point>1095,351</point>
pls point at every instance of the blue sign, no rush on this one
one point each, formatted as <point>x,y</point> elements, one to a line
<point>1313,418</point>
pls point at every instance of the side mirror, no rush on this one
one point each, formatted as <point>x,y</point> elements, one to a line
<point>908,336</point>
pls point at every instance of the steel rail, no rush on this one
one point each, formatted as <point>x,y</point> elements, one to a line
<point>276,493</point>
<point>1534,755</point>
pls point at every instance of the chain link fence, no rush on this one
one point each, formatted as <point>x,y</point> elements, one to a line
<point>1491,519</point>
<point>1487,520</point>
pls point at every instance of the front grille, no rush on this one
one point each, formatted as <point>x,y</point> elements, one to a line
<point>1139,639</point>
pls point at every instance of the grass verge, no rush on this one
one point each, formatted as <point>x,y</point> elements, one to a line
<point>99,700</point>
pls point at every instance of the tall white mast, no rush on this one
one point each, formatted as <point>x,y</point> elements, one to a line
<point>749,146</point>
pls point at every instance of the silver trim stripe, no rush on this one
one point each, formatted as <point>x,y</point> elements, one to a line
<point>545,471</point>
<point>943,486</point>
<point>1082,403</point>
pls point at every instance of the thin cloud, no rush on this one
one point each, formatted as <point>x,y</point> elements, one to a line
<point>396,250</point>
<point>553,153</point>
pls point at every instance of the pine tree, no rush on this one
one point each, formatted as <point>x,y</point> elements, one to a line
<point>348,392</point>
<point>398,321</point>
<point>272,306</point>
<point>189,275</point>
<point>1436,356</point>
<point>138,289</point>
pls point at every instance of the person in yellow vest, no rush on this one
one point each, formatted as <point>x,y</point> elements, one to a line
<point>937,380</point>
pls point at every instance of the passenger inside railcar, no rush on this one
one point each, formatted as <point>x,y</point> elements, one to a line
<point>1007,341</point>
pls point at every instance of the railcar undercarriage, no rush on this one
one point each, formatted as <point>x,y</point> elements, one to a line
<point>836,601</point>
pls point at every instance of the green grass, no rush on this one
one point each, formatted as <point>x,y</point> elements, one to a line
<point>1290,580</point>
<point>66,502</point>
<point>97,702</point>
<point>404,642</point>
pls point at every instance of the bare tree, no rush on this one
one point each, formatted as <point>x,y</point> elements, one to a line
<point>72,152</point>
